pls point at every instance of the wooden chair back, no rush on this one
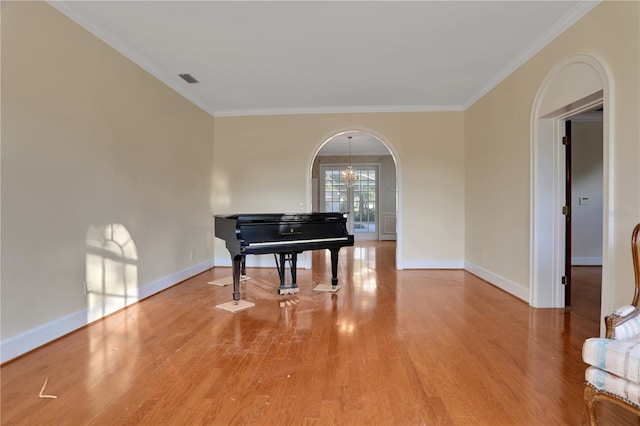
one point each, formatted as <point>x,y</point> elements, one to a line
<point>635,252</point>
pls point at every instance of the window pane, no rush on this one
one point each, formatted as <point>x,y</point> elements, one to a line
<point>365,201</point>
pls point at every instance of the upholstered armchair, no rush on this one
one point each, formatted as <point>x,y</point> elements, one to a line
<point>614,361</point>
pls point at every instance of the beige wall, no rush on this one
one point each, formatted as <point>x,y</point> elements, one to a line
<point>497,137</point>
<point>89,139</point>
<point>262,164</point>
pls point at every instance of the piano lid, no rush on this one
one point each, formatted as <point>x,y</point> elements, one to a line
<point>283,217</point>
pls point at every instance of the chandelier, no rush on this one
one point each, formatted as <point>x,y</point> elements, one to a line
<point>349,176</point>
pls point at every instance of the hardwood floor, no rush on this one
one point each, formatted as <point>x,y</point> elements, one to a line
<point>434,347</point>
<point>586,290</point>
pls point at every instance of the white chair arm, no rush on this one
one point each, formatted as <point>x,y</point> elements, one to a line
<point>624,323</point>
<point>623,311</point>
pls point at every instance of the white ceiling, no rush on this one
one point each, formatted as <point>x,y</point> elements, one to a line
<point>275,57</point>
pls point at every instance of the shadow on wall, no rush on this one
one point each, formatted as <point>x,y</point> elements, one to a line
<point>111,270</point>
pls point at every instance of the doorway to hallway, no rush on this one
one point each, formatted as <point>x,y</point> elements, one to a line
<point>583,211</point>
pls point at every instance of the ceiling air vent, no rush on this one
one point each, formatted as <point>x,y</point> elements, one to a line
<point>188,78</point>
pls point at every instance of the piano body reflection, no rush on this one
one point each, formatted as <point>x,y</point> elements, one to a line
<point>285,235</point>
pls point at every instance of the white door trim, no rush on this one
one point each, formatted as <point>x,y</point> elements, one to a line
<point>575,84</point>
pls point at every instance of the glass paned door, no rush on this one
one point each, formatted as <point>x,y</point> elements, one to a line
<point>335,191</point>
<point>359,201</point>
<point>364,201</point>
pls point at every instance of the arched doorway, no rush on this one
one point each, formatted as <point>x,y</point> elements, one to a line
<point>373,203</point>
<point>576,84</point>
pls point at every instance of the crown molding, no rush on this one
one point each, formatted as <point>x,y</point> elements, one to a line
<point>125,49</point>
<point>566,21</point>
<point>338,110</point>
<point>176,84</point>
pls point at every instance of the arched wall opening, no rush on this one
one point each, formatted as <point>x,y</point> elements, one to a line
<point>574,85</point>
<point>398,178</point>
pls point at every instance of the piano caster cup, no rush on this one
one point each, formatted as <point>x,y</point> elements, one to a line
<point>225,281</point>
<point>327,288</point>
<point>236,305</point>
<point>288,290</point>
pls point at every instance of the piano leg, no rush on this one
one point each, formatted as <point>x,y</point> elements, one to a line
<point>237,304</point>
<point>334,287</point>
<point>238,262</point>
<point>294,260</point>
<point>243,266</point>
<point>334,267</point>
<point>282,263</point>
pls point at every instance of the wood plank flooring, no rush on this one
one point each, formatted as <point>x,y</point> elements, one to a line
<point>411,347</point>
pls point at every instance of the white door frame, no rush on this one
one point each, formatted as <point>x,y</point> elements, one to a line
<point>575,84</point>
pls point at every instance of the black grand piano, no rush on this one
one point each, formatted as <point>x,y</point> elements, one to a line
<point>285,235</point>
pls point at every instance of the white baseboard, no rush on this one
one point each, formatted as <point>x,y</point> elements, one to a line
<point>586,261</point>
<point>24,342</point>
<point>433,264</point>
<point>173,279</point>
<point>511,287</point>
